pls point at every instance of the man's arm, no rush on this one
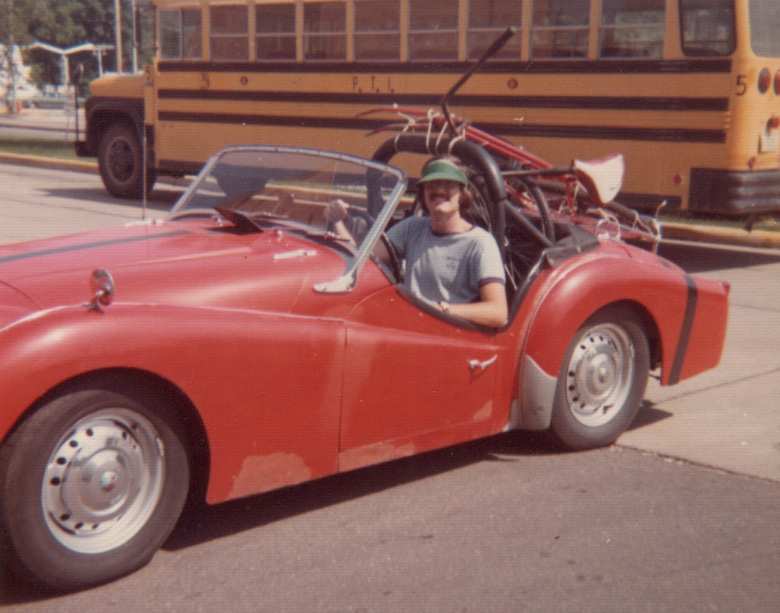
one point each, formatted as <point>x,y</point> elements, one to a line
<point>335,214</point>
<point>491,310</point>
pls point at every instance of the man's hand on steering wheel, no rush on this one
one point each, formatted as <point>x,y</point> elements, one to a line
<point>336,211</point>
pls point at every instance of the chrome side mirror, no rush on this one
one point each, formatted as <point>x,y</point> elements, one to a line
<point>102,285</point>
<point>602,178</point>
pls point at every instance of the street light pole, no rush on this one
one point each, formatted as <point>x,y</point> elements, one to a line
<point>135,37</point>
<point>118,33</point>
<point>11,59</point>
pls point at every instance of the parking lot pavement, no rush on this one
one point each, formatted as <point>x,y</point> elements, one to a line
<point>727,417</point>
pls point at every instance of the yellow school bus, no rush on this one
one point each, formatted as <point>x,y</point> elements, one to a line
<point>687,90</point>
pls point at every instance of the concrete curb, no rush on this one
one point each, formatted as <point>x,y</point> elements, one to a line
<point>47,162</point>
<point>723,236</point>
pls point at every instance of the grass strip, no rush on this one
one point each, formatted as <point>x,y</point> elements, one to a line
<point>38,146</point>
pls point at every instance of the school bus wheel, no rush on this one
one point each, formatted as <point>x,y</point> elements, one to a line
<point>119,160</point>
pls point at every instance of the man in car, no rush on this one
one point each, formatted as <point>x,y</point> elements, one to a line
<point>450,262</point>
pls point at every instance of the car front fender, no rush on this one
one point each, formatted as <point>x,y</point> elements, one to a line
<point>265,385</point>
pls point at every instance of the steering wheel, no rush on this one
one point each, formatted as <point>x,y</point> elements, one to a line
<point>352,222</point>
<point>392,252</point>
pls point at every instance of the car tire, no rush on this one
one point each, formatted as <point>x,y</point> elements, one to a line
<point>120,162</point>
<point>602,380</point>
<point>91,485</point>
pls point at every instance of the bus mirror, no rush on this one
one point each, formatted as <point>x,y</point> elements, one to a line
<point>602,178</point>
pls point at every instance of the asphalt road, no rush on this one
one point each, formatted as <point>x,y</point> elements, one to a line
<point>682,515</point>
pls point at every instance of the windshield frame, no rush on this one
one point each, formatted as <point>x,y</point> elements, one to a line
<point>346,282</point>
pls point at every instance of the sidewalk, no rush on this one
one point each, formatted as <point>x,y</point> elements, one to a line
<point>57,121</point>
<point>47,120</point>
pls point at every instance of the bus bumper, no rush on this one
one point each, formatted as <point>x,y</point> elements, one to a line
<point>734,192</point>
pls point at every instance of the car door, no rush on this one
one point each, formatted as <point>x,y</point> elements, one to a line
<point>413,381</point>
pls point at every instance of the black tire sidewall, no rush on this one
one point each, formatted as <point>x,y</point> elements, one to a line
<point>39,557</point>
<point>132,188</point>
<point>567,429</point>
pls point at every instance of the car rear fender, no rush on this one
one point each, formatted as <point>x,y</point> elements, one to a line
<point>247,373</point>
<point>703,333</point>
<point>663,297</point>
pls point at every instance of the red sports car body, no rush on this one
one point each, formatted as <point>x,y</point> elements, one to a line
<point>240,347</point>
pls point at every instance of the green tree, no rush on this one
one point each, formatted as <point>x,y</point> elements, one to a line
<point>64,24</point>
<point>67,23</point>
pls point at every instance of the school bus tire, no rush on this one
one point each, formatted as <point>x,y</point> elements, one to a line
<point>120,162</point>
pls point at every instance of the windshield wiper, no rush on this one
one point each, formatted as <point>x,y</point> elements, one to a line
<point>241,220</point>
<point>184,213</point>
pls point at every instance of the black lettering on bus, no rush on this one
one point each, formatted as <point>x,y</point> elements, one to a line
<point>741,84</point>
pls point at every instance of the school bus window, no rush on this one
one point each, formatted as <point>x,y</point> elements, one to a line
<point>433,30</point>
<point>560,29</point>
<point>707,26</point>
<point>632,28</point>
<point>325,31</point>
<point>487,19</point>
<point>275,31</point>
<point>764,26</point>
<point>377,33</point>
<point>229,35</point>
<point>180,34</point>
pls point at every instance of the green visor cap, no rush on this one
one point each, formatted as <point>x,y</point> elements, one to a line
<point>442,170</point>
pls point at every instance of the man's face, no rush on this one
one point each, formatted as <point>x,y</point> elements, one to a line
<point>442,197</point>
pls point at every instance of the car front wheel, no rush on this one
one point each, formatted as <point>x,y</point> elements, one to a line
<point>91,485</point>
<point>602,380</point>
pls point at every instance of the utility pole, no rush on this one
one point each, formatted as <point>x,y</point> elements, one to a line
<point>118,33</point>
<point>9,51</point>
<point>135,36</point>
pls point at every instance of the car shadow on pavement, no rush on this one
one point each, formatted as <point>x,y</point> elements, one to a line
<point>158,200</point>
<point>700,257</point>
<point>648,415</point>
<point>202,523</point>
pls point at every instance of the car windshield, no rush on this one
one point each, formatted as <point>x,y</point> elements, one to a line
<point>278,186</point>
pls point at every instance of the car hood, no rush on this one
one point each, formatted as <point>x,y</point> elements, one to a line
<point>182,263</point>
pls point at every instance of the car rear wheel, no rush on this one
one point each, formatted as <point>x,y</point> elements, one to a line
<point>602,380</point>
<point>91,485</point>
<point>120,159</point>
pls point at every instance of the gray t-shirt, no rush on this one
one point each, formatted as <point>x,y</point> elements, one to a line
<point>448,267</point>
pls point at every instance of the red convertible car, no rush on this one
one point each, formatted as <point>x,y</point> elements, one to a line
<point>240,346</point>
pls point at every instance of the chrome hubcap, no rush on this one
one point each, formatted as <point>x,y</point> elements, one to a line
<point>599,374</point>
<point>103,481</point>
